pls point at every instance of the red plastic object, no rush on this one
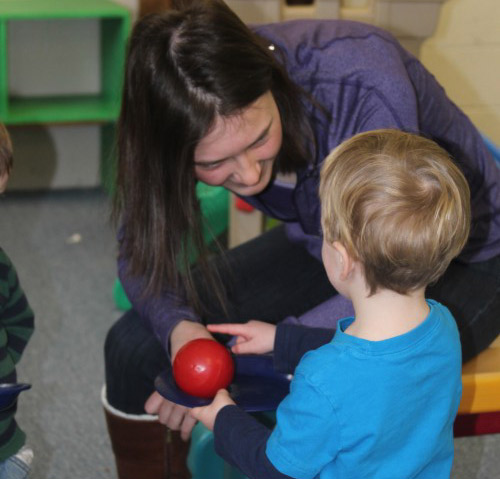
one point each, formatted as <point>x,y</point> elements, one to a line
<point>202,367</point>
<point>242,205</point>
<point>477,424</point>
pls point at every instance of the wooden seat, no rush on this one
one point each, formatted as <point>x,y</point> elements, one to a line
<point>479,411</point>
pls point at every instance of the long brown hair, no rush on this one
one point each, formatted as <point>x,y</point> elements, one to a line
<point>183,69</point>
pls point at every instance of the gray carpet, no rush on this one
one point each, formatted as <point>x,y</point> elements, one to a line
<point>69,284</point>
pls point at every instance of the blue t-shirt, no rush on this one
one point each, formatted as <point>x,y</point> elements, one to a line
<point>379,410</point>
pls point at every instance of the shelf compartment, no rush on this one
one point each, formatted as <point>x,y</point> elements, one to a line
<point>114,26</point>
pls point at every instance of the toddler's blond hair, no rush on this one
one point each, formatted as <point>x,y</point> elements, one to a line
<point>398,204</point>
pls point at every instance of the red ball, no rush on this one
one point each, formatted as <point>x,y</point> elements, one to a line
<point>202,367</point>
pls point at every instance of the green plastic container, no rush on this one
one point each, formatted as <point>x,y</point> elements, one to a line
<point>214,209</point>
<point>203,462</point>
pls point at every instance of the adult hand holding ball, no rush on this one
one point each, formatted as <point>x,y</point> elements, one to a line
<point>202,367</point>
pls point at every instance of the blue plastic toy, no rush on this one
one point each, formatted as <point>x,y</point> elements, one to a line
<point>9,393</point>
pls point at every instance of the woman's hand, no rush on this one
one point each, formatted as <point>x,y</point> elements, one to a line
<point>172,415</point>
<point>207,414</point>
<point>184,332</point>
<point>254,337</point>
<point>175,416</point>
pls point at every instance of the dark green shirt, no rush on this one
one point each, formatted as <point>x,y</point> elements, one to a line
<point>16,327</point>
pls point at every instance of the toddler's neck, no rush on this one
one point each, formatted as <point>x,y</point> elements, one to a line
<point>387,314</point>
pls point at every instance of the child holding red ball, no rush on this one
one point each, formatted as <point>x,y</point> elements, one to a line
<point>378,400</point>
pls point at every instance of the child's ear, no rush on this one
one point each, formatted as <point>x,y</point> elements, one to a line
<point>345,259</point>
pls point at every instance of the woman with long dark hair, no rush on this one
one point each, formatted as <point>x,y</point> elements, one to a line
<point>257,110</point>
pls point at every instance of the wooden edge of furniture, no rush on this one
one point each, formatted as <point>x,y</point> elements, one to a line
<point>481,382</point>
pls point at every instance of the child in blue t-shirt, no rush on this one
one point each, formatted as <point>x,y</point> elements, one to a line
<point>378,400</point>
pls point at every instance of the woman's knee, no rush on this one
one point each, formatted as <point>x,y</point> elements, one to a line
<point>133,358</point>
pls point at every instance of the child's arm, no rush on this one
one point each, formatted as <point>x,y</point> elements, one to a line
<point>293,341</point>
<point>289,342</point>
<point>254,337</point>
<point>15,313</point>
<point>207,414</point>
<point>305,439</point>
<point>230,424</point>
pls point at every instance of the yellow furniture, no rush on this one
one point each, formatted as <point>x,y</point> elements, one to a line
<point>479,411</point>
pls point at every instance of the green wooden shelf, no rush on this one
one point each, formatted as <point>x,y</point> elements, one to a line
<point>53,9</point>
<point>114,21</point>
<point>72,109</point>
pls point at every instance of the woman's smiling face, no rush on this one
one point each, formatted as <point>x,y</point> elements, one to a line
<point>239,151</point>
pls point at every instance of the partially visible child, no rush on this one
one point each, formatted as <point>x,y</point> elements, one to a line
<point>16,328</point>
<point>378,400</point>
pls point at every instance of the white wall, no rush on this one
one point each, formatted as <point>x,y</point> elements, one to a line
<point>464,55</point>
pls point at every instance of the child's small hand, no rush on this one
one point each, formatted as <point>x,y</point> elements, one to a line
<point>254,337</point>
<point>207,414</point>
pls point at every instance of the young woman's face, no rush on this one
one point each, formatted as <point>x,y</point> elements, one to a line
<point>239,151</point>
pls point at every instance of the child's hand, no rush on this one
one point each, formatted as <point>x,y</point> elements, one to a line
<point>207,414</point>
<point>254,337</point>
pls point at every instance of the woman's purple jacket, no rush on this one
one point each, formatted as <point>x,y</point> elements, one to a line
<point>366,81</point>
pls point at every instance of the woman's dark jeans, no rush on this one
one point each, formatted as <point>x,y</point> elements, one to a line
<point>270,279</point>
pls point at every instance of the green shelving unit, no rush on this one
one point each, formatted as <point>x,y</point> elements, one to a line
<point>103,107</point>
